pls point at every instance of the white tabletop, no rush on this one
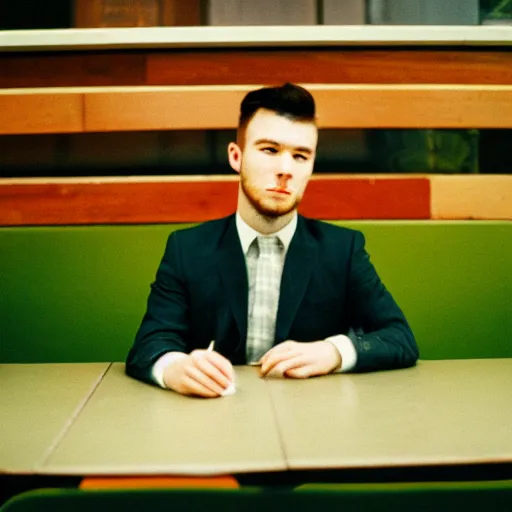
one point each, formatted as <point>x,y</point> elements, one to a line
<point>129,427</point>
<point>61,421</point>
<point>439,412</point>
<point>38,402</point>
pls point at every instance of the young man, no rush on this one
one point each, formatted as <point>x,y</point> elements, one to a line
<point>268,286</point>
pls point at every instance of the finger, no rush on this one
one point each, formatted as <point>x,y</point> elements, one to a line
<point>207,366</point>
<point>191,387</point>
<point>196,374</point>
<point>303,372</point>
<point>282,348</point>
<point>276,359</point>
<point>223,364</point>
<point>271,361</point>
<point>217,360</point>
<point>277,349</point>
<point>280,369</point>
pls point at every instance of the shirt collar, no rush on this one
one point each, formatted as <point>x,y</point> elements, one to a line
<point>248,234</point>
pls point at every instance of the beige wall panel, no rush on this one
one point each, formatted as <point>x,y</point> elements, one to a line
<point>344,12</point>
<point>423,12</point>
<point>471,197</point>
<point>37,112</point>
<point>261,12</point>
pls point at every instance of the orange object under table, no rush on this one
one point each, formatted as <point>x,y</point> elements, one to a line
<point>143,482</point>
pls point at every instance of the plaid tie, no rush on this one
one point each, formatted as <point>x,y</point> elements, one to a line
<point>265,265</point>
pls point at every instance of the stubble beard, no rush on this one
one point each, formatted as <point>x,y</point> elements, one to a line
<point>252,194</point>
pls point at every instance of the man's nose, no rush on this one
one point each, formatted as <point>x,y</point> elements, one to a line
<point>285,166</point>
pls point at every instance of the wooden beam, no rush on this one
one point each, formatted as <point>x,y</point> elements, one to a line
<point>216,107</point>
<point>91,201</point>
<point>82,69</point>
<point>472,197</point>
<point>143,200</point>
<point>181,14</point>
<point>163,108</point>
<point>338,106</point>
<point>255,66</point>
<point>413,106</point>
<point>329,66</point>
<point>39,112</point>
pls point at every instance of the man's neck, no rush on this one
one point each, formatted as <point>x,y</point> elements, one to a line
<point>262,223</point>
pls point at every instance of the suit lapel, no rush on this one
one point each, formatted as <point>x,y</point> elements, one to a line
<point>300,261</point>
<point>234,275</point>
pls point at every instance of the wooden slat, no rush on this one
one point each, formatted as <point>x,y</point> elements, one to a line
<point>367,197</point>
<point>98,13</point>
<point>86,13</point>
<point>121,202</point>
<point>338,106</point>
<point>329,66</point>
<point>41,113</point>
<point>411,106</point>
<point>472,197</point>
<point>160,200</point>
<point>72,69</point>
<point>180,14</point>
<point>216,107</point>
<point>254,66</point>
<point>176,108</point>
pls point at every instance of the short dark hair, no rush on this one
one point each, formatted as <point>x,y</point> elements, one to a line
<point>288,100</point>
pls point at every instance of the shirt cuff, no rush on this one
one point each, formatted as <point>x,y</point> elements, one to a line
<point>347,352</point>
<point>157,372</point>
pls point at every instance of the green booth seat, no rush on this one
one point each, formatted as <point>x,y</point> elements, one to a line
<point>77,294</point>
<point>476,496</point>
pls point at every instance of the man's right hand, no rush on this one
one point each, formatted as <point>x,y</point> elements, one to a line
<point>202,373</point>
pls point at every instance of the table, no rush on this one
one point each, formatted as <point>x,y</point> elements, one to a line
<point>37,404</point>
<point>129,427</point>
<point>437,413</point>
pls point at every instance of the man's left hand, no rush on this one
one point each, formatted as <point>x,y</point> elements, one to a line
<point>300,360</point>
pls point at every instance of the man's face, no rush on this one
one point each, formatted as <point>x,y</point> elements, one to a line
<point>275,162</point>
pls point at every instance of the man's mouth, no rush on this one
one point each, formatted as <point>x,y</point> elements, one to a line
<point>279,190</point>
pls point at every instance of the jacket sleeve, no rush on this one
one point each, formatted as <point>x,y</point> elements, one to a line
<point>380,333</point>
<point>164,326</point>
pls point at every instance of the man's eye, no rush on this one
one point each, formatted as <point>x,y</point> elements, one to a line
<point>300,156</point>
<point>269,150</point>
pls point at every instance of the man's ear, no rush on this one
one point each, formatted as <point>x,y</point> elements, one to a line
<point>235,156</point>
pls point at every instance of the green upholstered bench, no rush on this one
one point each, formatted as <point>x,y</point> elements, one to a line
<point>439,497</point>
<point>78,293</point>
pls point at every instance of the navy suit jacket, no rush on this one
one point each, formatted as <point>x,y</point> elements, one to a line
<point>328,287</point>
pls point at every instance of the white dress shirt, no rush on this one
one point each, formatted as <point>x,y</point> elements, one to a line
<point>247,235</point>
